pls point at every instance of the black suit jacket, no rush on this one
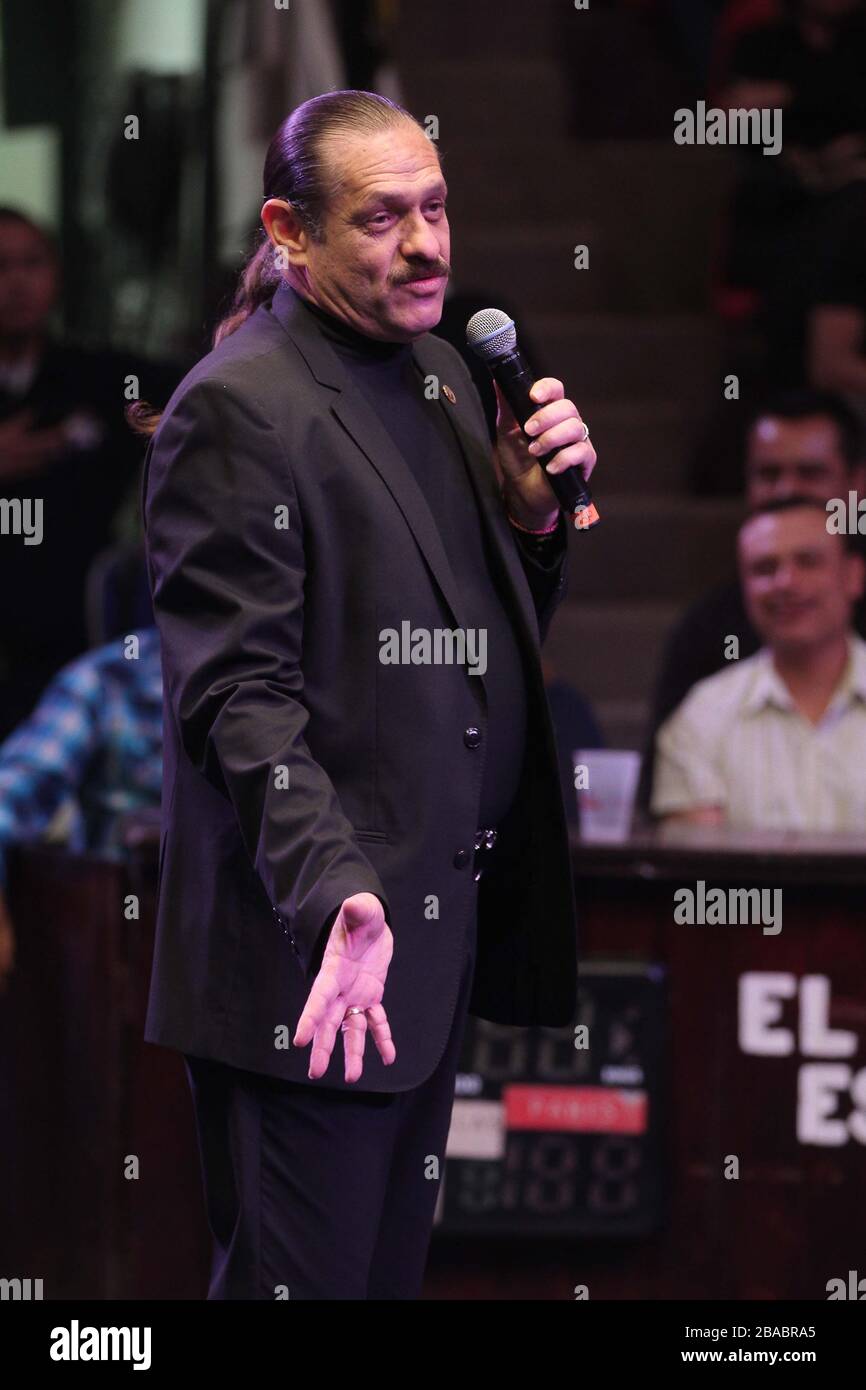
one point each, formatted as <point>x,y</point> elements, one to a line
<point>284,532</point>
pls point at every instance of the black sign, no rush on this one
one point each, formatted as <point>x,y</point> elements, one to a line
<point>558,1130</point>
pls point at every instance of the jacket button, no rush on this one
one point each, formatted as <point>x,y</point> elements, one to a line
<point>472,737</point>
<point>462,858</point>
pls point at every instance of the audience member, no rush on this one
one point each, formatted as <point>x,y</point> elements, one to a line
<point>798,443</point>
<point>90,753</point>
<point>778,740</point>
<point>64,444</point>
<point>810,65</point>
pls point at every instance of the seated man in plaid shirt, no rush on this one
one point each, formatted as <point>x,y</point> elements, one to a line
<point>91,748</point>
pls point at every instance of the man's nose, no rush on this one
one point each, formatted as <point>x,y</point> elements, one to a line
<point>784,576</point>
<point>421,242</point>
<point>784,487</point>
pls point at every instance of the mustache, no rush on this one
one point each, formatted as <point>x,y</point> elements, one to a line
<point>440,268</point>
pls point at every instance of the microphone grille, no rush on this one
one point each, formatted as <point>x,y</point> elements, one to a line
<point>490,333</point>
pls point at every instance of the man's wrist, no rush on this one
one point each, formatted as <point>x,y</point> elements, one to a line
<point>527,518</point>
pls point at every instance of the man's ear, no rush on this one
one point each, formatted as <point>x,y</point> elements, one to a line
<point>285,230</point>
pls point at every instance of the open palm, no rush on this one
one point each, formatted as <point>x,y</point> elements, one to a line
<point>352,975</point>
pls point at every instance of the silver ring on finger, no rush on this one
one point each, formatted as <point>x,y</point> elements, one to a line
<point>585,431</point>
<point>348,1015</point>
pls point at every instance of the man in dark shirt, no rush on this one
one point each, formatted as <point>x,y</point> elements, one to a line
<point>800,443</point>
<point>64,441</point>
<point>809,64</point>
<point>390,378</point>
<point>312,783</point>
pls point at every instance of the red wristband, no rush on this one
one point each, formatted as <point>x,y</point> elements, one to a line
<point>545,531</point>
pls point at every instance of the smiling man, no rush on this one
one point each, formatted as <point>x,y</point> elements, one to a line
<point>350,845</point>
<point>778,741</point>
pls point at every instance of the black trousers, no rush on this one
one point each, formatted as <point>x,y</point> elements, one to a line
<point>313,1193</point>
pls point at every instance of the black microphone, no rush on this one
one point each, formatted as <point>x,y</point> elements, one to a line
<point>492,336</point>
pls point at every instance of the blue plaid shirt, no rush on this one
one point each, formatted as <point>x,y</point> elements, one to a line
<point>92,746</point>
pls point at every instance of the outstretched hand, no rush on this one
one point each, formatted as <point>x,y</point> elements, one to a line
<point>352,976</point>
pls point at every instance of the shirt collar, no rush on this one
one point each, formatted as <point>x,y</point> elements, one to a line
<point>768,688</point>
<point>350,340</point>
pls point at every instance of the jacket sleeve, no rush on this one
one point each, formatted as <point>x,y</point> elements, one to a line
<point>545,564</point>
<point>228,584</point>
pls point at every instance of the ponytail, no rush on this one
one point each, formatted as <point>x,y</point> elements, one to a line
<point>259,278</point>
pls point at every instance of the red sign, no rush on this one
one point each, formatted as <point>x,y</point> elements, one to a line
<point>576,1109</point>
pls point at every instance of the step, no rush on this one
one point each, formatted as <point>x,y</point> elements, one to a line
<point>523,91</point>
<point>616,77</point>
<point>649,213</point>
<point>643,445</point>
<point>623,723</point>
<point>652,184</point>
<point>492,29</point>
<point>616,356</point>
<point>535,265</point>
<point>610,650</point>
<point>624,83</point>
<point>615,273</point>
<point>653,548</point>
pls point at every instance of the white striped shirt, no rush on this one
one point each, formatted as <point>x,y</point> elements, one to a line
<point>739,742</point>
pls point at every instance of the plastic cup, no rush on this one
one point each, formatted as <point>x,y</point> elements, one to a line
<point>605,805</point>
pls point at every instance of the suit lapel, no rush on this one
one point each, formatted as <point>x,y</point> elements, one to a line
<point>497,527</point>
<point>359,418</point>
<point>363,425</point>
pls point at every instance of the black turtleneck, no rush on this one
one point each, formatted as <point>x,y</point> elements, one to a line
<point>389,377</point>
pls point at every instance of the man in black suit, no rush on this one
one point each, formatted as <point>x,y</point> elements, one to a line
<point>351,595</point>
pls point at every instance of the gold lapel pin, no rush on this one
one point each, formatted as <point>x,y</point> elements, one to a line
<point>449,394</point>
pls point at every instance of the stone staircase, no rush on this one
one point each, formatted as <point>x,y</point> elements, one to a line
<point>535,168</point>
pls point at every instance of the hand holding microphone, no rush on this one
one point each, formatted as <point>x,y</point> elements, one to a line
<point>545,428</point>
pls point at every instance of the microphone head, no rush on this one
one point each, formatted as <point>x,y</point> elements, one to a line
<point>491,334</point>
